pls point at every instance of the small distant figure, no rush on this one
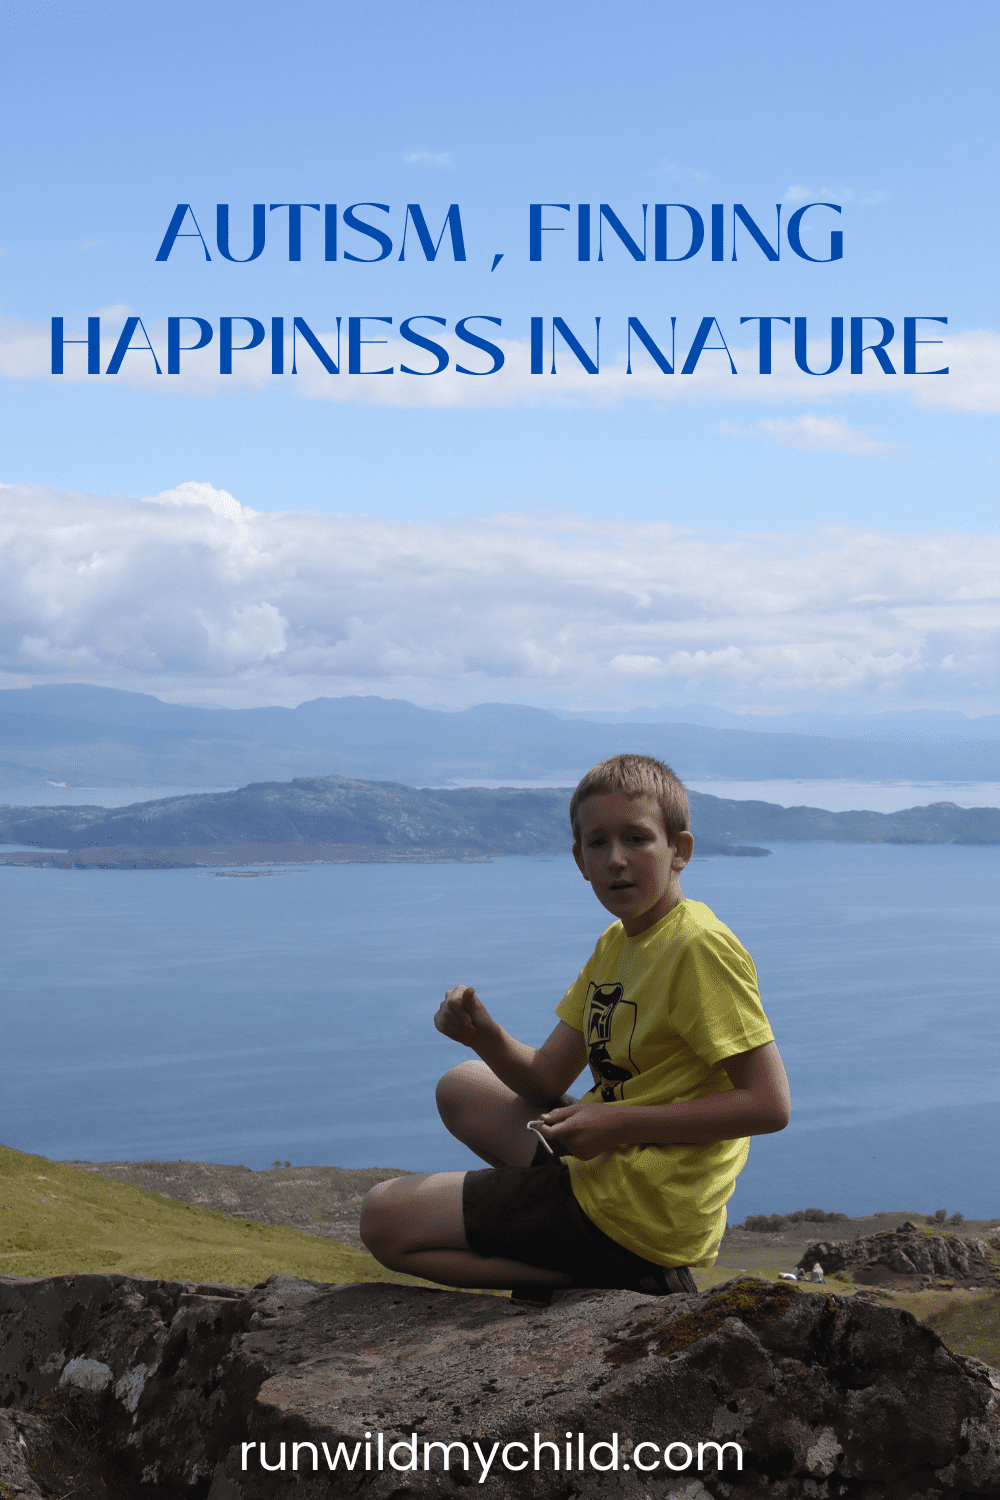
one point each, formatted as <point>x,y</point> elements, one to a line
<point>787,1276</point>
<point>817,1273</point>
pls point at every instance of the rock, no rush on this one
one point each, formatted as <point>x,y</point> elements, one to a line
<point>16,1479</point>
<point>86,1375</point>
<point>821,1396</point>
<point>919,1255</point>
<point>908,1252</point>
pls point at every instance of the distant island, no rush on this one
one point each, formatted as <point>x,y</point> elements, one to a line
<point>336,819</point>
<point>308,820</point>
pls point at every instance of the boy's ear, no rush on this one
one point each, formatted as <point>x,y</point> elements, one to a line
<point>578,856</point>
<point>685,848</point>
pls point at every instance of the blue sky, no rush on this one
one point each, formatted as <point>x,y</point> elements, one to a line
<point>115,113</point>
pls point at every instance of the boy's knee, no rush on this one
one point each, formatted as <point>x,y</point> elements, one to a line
<point>375,1227</point>
<point>456,1090</point>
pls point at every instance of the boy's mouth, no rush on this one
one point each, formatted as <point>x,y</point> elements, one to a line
<point>620,885</point>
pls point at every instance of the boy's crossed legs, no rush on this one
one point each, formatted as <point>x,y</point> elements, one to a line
<point>531,1232</point>
<point>416,1224</point>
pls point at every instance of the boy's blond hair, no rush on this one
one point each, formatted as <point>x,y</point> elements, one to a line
<point>633,775</point>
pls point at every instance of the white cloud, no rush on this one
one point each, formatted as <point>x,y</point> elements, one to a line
<point>829,435</point>
<point>188,593</point>
<point>193,493</point>
<point>796,193</point>
<point>972,357</point>
<point>637,666</point>
<point>429,158</point>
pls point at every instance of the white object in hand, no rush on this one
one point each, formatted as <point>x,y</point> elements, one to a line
<point>535,1127</point>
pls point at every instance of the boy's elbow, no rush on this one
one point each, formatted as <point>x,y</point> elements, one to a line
<point>776,1102</point>
<point>776,1117</point>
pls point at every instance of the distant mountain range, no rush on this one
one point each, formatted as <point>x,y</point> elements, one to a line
<point>332,810</point>
<point>89,736</point>
<point>914,726</point>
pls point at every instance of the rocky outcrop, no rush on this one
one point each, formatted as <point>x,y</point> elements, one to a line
<point>142,1388</point>
<point>905,1252</point>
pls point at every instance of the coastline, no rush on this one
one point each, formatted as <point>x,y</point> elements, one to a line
<point>162,857</point>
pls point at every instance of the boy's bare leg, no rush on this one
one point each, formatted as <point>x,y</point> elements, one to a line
<point>415,1224</point>
<point>487,1116</point>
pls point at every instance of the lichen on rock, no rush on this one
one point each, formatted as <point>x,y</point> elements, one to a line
<point>233,1393</point>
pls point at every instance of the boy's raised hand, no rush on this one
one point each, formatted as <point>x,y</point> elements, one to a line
<point>462,1016</point>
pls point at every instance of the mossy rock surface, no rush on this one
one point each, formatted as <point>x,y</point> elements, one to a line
<point>749,1299</point>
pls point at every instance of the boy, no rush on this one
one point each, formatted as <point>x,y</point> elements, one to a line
<point>685,1068</point>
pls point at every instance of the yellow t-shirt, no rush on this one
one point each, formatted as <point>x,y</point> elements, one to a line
<point>659,1013</point>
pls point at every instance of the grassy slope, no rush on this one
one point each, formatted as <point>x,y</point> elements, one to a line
<point>968,1323</point>
<point>57,1220</point>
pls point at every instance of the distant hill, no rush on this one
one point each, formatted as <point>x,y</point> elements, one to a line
<point>320,812</point>
<point>940,823</point>
<point>910,726</point>
<point>317,810</point>
<point>83,735</point>
<point>333,810</point>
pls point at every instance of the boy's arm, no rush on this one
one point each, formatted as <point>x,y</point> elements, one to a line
<point>538,1074</point>
<point>757,1104</point>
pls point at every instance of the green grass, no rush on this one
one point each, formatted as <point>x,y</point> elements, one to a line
<point>968,1322</point>
<point>57,1220</point>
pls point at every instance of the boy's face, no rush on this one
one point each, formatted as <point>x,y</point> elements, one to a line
<point>625,854</point>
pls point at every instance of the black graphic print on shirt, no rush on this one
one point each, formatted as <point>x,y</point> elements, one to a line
<point>610,1028</point>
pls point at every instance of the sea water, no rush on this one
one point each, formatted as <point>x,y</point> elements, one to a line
<point>252,1019</point>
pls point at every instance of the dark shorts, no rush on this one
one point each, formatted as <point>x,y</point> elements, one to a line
<point>530,1214</point>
